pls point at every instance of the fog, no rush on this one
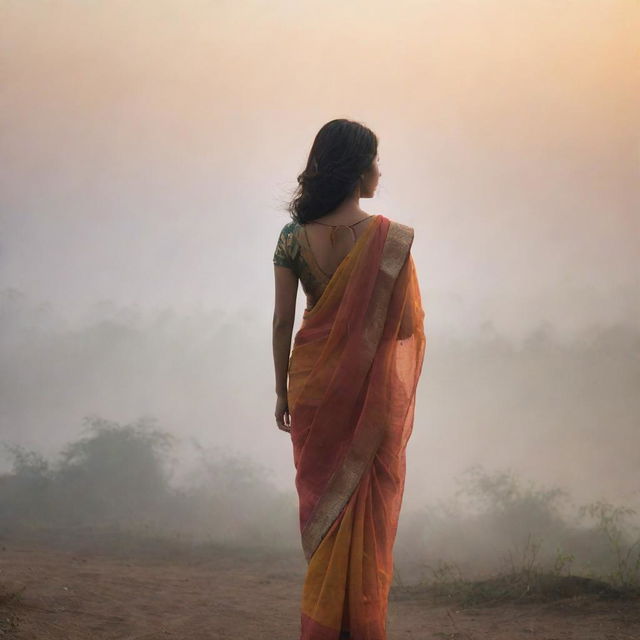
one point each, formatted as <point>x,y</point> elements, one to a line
<point>147,150</point>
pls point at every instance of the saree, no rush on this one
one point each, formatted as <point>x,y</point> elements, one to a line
<point>352,378</point>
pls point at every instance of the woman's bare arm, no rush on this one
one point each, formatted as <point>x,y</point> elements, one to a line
<point>286,291</point>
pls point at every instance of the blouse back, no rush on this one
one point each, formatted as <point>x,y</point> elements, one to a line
<point>293,250</point>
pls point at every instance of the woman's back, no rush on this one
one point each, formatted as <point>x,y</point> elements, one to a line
<point>314,250</point>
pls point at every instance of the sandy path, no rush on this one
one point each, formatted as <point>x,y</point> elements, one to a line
<point>72,595</point>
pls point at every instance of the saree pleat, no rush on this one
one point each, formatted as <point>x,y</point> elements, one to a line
<point>353,372</point>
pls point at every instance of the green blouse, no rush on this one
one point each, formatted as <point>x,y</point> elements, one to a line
<point>292,252</point>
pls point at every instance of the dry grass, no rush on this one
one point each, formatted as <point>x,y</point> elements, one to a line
<point>515,588</point>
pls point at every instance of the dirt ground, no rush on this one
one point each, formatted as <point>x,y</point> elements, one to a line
<point>94,593</point>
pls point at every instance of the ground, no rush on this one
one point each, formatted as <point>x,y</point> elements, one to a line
<point>91,592</point>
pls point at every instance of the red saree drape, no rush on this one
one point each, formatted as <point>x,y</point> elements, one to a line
<point>353,373</point>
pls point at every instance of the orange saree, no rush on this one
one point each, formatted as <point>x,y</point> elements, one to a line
<point>353,372</point>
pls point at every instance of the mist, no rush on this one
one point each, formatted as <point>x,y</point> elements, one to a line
<point>147,150</point>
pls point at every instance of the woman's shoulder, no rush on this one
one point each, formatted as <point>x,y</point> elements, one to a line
<point>401,225</point>
<point>289,228</point>
<point>287,248</point>
<point>402,234</point>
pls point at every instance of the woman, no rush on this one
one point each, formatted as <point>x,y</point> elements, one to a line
<point>349,400</point>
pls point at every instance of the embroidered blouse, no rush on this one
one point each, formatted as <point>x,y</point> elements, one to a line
<point>293,251</point>
<point>290,253</point>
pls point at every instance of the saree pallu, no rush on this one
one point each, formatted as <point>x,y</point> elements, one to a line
<point>353,373</point>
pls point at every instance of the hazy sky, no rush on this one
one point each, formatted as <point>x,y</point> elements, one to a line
<point>146,148</point>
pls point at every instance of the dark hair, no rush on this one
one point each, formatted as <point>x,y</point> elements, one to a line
<point>341,151</point>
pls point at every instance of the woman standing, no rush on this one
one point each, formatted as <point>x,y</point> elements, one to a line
<point>349,399</point>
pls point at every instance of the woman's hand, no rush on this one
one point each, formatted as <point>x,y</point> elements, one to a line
<point>283,419</point>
